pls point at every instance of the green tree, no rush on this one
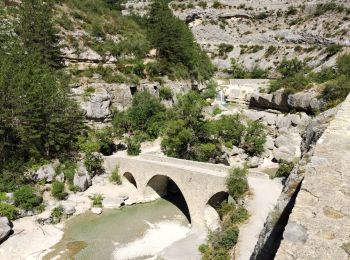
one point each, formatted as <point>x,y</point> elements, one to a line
<point>178,139</point>
<point>237,183</point>
<point>290,67</point>
<point>175,42</point>
<point>37,31</point>
<point>254,138</point>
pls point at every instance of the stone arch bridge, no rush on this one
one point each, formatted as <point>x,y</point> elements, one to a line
<point>200,183</point>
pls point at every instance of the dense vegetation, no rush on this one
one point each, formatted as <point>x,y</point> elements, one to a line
<point>232,214</point>
<point>296,76</point>
<point>185,132</point>
<point>38,120</point>
<point>178,56</point>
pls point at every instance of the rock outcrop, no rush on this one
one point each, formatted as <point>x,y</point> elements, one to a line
<point>44,173</point>
<point>82,179</point>
<point>98,104</point>
<point>306,101</point>
<point>321,213</point>
<point>296,232</point>
<point>5,228</point>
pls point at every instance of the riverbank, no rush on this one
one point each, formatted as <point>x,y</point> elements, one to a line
<point>31,240</point>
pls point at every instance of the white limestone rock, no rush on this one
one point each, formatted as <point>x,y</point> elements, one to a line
<point>5,228</point>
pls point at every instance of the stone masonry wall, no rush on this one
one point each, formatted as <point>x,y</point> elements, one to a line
<point>319,226</point>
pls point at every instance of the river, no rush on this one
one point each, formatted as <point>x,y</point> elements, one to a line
<point>139,231</point>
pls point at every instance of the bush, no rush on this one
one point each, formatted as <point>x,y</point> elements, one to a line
<point>210,91</point>
<point>343,65</point>
<point>224,49</point>
<point>336,91</point>
<point>270,51</point>
<point>68,169</point>
<point>290,67</point>
<point>216,111</point>
<point>228,238</point>
<point>165,93</point>
<point>26,199</point>
<point>284,169</point>
<point>176,139</point>
<point>254,138</point>
<point>237,183</point>
<point>93,164</point>
<point>115,176</point>
<point>134,146</point>
<point>8,211</point>
<point>57,214</point>
<point>96,200</point>
<point>205,152</point>
<point>228,129</point>
<point>57,190</point>
<point>333,49</point>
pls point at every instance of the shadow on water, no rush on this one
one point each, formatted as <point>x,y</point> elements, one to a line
<point>168,190</point>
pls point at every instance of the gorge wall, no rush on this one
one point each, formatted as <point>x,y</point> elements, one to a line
<point>319,225</point>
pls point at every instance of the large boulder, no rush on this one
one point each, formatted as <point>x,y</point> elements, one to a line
<point>45,173</point>
<point>98,105</point>
<point>306,101</point>
<point>5,228</point>
<point>121,95</point>
<point>82,179</point>
<point>276,100</point>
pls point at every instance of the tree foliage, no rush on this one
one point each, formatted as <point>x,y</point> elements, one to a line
<point>175,42</point>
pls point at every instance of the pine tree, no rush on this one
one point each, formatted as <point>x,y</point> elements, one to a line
<point>175,42</point>
<point>37,32</point>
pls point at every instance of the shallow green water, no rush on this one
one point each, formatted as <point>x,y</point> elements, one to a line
<point>90,236</point>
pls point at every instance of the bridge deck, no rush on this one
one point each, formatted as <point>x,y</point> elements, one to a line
<point>195,167</point>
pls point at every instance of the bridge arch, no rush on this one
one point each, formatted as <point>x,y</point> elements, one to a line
<point>211,213</point>
<point>168,189</point>
<point>130,178</point>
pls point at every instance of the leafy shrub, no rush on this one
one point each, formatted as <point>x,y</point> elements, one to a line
<point>343,65</point>
<point>176,139</point>
<point>254,138</point>
<point>115,176</point>
<point>210,91</point>
<point>270,51</point>
<point>291,84</point>
<point>228,129</point>
<point>165,93</point>
<point>333,49</point>
<point>217,5</point>
<point>237,183</point>
<point>290,67</point>
<point>205,152</point>
<point>228,238</point>
<point>96,200</point>
<point>134,146</point>
<point>336,91</point>
<point>236,70</point>
<point>258,73</point>
<point>57,190</point>
<point>25,198</point>
<point>3,197</point>
<point>57,214</point>
<point>93,164</point>
<point>284,169</point>
<point>8,211</point>
<point>68,169</point>
<point>224,49</point>
<point>216,111</point>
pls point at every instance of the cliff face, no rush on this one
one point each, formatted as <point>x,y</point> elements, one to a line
<point>261,33</point>
<point>319,225</point>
